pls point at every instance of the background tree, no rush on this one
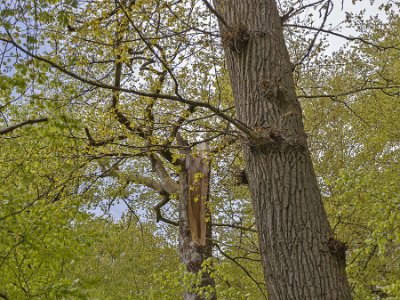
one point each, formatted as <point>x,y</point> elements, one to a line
<point>42,226</point>
<point>119,139</point>
<point>354,139</point>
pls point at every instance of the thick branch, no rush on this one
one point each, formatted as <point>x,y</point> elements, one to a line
<point>152,184</point>
<point>167,182</point>
<point>148,182</point>
<point>28,122</point>
<point>292,11</point>
<point>94,143</point>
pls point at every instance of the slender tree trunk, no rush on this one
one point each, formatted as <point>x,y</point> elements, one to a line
<point>301,259</point>
<point>194,232</point>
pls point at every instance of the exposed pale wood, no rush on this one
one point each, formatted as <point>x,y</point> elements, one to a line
<point>198,167</point>
<point>195,243</point>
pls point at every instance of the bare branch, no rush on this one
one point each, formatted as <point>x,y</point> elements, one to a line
<point>349,38</point>
<point>132,212</point>
<point>235,226</point>
<point>311,46</point>
<point>230,141</point>
<point>287,15</point>
<point>157,209</point>
<point>135,178</point>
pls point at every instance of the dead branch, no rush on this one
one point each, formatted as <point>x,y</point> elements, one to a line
<point>157,208</point>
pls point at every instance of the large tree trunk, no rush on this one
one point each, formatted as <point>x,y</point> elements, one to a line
<point>194,222</point>
<point>300,257</point>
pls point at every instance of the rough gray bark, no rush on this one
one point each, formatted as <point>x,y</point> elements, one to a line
<point>195,247</point>
<point>300,257</point>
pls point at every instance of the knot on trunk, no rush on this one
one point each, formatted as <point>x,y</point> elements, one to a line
<point>268,134</point>
<point>338,249</point>
<point>236,38</point>
<point>271,137</point>
<point>265,136</point>
<point>240,177</point>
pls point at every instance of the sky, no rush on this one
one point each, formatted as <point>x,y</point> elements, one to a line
<point>339,13</point>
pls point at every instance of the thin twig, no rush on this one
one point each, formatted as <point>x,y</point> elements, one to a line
<point>243,268</point>
<point>235,226</point>
<point>349,38</point>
